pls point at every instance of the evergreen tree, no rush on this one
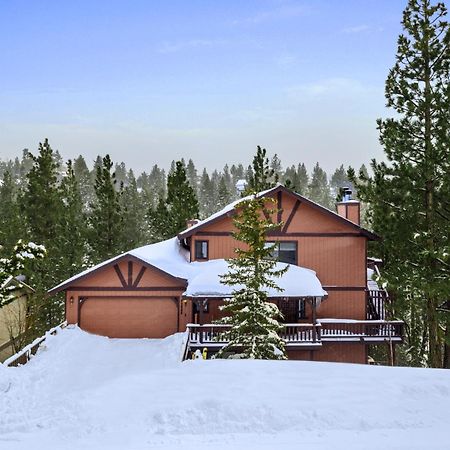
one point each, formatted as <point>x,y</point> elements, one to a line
<point>409,194</point>
<point>254,326</point>
<point>43,209</point>
<point>181,205</point>
<point>11,223</point>
<point>132,205</point>
<point>15,264</point>
<point>207,203</point>
<point>223,194</point>
<point>72,227</point>
<point>191,173</point>
<point>303,180</point>
<point>41,201</point>
<point>275,166</point>
<point>319,190</point>
<point>85,182</point>
<point>106,220</point>
<point>262,176</point>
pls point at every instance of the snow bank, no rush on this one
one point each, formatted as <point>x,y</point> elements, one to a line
<point>91,392</point>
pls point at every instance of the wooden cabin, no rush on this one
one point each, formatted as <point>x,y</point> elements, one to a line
<point>159,289</point>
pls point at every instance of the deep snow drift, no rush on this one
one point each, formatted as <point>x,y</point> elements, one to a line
<point>89,392</point>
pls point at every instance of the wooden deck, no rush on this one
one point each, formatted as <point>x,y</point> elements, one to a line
<point>307,335</point>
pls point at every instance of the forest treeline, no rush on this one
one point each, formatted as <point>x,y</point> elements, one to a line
<point>86,213</point>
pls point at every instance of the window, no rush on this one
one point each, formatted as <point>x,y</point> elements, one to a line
<point>284,251</point>
<point>201,249</point>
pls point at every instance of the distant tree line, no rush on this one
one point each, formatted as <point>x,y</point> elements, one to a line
<point>84,215</point>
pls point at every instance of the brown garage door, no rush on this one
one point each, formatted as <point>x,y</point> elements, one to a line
<point>129,317</point>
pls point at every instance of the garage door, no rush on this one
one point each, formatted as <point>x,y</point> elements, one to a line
<point>129,317</point>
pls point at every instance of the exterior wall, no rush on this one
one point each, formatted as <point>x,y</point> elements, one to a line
<point>12,320</point>
<point>333,352</point>
<point>146,306</point>
<point>333,249</point>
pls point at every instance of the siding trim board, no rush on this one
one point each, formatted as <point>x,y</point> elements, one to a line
<point>120,275</point>
<point>281,233</point>
<point>291,216</point>
<point>126,288</point>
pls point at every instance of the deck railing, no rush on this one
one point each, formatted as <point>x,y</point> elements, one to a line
<point>298,334</point>
<point>371,330</point>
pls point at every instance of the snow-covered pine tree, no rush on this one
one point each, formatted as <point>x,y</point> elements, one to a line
<point>253,319</point>
<point>15,264</point>
<point>409,195</point>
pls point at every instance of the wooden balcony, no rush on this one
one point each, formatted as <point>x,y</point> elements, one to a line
<point>306,335</point>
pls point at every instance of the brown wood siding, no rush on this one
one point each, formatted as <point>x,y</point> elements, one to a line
<point>332,352</point>
<point>117,317</point>
<point>343,305</point>
<point>333,249</point>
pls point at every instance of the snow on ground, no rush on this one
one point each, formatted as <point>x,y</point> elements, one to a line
<point>89,392</point>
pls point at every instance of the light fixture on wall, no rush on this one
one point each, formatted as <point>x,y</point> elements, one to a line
<point>71,300</point>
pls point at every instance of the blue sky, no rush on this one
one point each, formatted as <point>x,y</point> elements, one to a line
<point>151,81</point>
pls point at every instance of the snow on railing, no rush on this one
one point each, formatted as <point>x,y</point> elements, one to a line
<point>24,355</point>
<point>308,333</point>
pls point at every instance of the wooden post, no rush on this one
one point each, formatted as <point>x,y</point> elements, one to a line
<point>313,304</point>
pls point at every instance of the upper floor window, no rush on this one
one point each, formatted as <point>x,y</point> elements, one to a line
<point>201,249</point>
<point>285,251</point>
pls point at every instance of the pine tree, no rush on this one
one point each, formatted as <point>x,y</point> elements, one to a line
<point>318,189</point>
<point>72,227</point>
<point>11,222</point>
<point>207,203</point>
<point>254,326</point>
<point>170,217</point>
<point>15,264</point>
<point>41,201</point>
<point>85,182</point>
<point>43,208</point>
<point>181,200</point>
<point>191,173</point>
<point>409,194</point>
<point>106,219</point>
<point>262,176</point>
<point>132,205</point>
<point>223,194</point>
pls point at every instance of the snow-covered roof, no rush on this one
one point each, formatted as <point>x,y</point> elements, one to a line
<point>296,282</point>
<point>372,285</point>
<point>203,278</point>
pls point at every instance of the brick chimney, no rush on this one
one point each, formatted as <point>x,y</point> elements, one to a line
<point>348,208</point>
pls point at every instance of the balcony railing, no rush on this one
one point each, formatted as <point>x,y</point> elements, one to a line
<point>306,334</point>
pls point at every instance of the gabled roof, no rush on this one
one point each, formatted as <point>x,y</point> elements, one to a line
<point>229,210</point>
<point>166,257</point>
